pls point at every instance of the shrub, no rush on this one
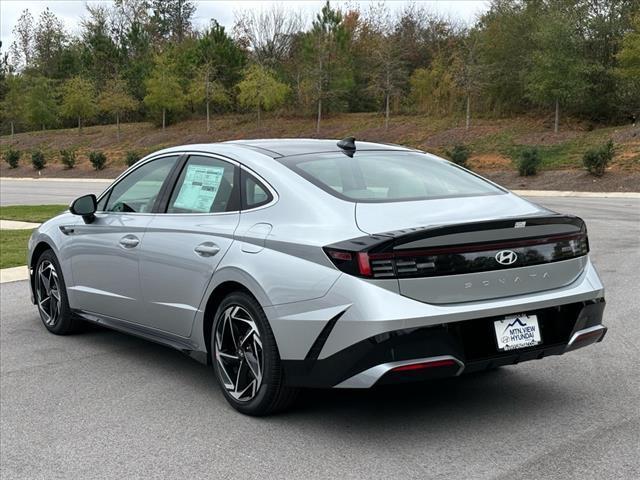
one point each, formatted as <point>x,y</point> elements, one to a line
<point>98,160</point>
<point>459,155</point>
<point>68,158</point>
<point>38,160</point>
<point>597,159</point>
<point>132,157</point>
<point>12,157</point>
<point>529,162</point>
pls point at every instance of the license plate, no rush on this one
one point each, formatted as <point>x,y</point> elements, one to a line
<point>517,331</point>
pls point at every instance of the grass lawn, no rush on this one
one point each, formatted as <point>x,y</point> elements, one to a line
<point>13,247</point>
<point>31,213</point>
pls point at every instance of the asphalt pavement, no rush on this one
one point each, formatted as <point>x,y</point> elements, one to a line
<point>105,405</point>
<point>43,192</point>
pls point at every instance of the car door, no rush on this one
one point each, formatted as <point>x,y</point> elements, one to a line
<point>105,257</point>
<point>183,246</point>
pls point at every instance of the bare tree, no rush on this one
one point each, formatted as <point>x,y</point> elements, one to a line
<point>269,34</point>
<point>388,73</point>
<point>23,45</point>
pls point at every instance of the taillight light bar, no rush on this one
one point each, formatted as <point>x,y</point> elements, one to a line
<point>382,261</point>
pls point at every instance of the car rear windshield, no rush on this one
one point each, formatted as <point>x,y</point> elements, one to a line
<point>388,176</point>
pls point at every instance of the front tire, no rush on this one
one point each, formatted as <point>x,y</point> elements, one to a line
<point>245,358</point>
<point>51,296</point>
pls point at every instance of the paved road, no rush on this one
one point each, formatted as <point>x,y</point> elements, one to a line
<point>105,405</point>
<point>42,192</point>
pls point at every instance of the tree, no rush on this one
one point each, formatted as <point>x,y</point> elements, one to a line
<point>171,19</point>
<point>261,90</point>
<point>13,102</point>
<point>433,89</point>
<point>387,67</point>
<point>22,46</point>
<point>78,99</point>
<point>221,54</point>
<point>205,89</point>
<point>49,43</point>
<point>326,47</point>
<point>504,50</point>
<point>164,92</point>
<point>115,100</point>
<point>628,71</point>
<point>466,69</point>
<point>40,104</point>
<point>269,34</point>
<point>558,69</point>
<point>100,53</point>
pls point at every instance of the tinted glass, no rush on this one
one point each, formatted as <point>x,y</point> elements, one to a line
<point>138,191</point>
<point>388,176</point>
<point>206,185</point>
<point>254,193</point>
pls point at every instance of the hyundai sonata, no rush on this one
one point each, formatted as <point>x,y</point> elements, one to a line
<point>316,263</point>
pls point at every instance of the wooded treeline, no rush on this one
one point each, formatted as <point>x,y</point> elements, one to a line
<point>144,59</point>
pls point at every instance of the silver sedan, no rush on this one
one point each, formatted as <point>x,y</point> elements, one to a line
<point>315,263</point>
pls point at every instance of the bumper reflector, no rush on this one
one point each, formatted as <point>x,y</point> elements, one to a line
<point>424,365</point>
<point>585,337</point>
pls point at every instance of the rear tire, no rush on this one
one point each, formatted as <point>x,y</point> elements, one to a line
<point>245,358</point>
<point>51,296</point>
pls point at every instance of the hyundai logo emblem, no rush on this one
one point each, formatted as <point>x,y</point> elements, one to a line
<point>506,257</point>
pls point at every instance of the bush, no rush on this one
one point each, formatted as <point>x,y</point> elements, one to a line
<point>597,159</point>
<point>12,157</point>
<point>459,155</point>
<point>132,157</point>
<point>98,160</point>
<point>68,158</point>
<point>529,162</point>
<point>37,160</point>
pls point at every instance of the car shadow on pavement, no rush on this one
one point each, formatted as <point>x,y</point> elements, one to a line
<point>500,393</point>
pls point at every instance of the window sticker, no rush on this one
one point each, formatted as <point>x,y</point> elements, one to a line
<point>200,186</point>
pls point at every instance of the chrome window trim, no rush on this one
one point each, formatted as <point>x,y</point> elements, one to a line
<point>189,153</point>
<point>240,165</point>
<point>126,173</point>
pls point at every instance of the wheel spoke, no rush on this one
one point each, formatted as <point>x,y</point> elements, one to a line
<point>48,293</point>
<point>238,352</point>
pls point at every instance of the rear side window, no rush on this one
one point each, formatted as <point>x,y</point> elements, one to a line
<point>254,192</point>
<point>205,185</point>
<point>388,176</point>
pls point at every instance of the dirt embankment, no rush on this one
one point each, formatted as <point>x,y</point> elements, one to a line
<point>493,144</point>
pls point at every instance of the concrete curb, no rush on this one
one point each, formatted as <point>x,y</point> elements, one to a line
<point>15,225</point>
<point>559,193</point>
<point>57,179</point>
<point>14,274</point>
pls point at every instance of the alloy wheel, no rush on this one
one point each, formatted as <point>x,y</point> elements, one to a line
<point>48,293</point>
<point>239,354</point>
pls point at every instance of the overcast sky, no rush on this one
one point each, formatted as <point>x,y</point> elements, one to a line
<point>71,12</point>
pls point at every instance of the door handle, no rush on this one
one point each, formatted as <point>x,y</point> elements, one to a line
<point>129,241</point>
<point>207,249</point>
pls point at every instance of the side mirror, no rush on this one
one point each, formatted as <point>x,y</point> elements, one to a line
<point>85,206</point>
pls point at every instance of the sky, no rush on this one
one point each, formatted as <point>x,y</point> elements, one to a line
<point>71,12</point>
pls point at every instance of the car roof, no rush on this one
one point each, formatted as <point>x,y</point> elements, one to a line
<point>285,147</point>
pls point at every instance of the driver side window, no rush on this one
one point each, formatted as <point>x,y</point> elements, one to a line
<point>138,191</point>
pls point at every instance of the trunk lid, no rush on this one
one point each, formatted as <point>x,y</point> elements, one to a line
<point>472,249</point>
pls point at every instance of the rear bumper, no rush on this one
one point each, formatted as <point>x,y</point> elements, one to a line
<point>446,350</point>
